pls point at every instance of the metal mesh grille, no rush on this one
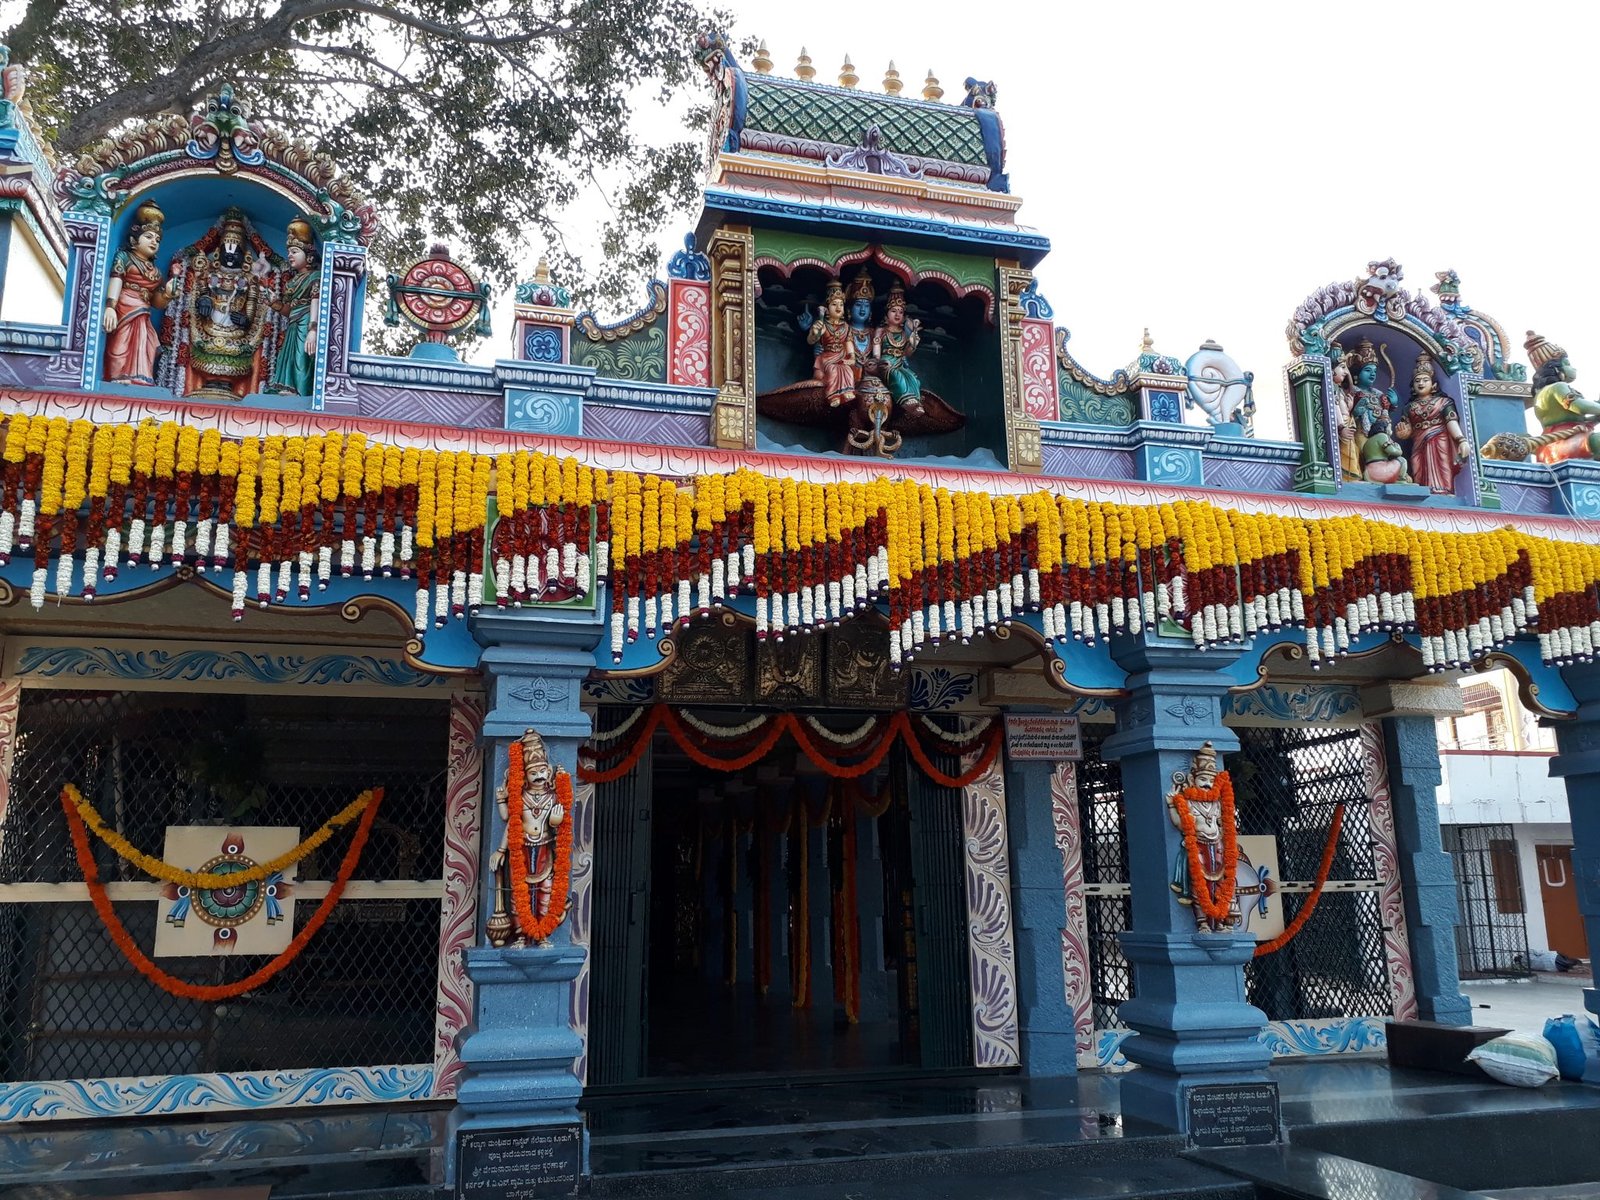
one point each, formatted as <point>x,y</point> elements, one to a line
<point>1105,861</point>
<point>1492,935</point>
<point>363,991</point>
<point>1288,783</point>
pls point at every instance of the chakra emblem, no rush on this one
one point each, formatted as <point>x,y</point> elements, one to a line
<point>226,909</point>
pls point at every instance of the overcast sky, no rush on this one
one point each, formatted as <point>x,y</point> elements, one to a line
<point>1201,168</point>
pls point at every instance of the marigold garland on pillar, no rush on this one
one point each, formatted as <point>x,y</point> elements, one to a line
<point>944,565</point>
<point>537,928</point>
<point>1215,903</point>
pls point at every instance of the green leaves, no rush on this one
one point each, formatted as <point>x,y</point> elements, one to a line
<point>482,122</point>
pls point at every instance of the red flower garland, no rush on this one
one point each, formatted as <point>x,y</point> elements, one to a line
<point>171,984</point>
<point>1310,906</point>
<point>537,928</point>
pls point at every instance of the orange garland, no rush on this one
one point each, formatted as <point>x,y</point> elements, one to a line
<point>171,984</point>
<point>537,929</point>
<point>1216,905</point>
<point>898,725</point>
<point>1310,906</point>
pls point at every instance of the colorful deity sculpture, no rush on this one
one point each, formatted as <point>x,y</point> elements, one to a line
<point>1361,405</point>
<point>893,344</point>
<point>542,814</point>
<point>134,292</point>
<point>835,348</point>
<point>295,370</point>
<point>1382,458</point>
<point>224,311</point>
<point>1438,446</point>
<point>1207,815</point>
<point>1570,422</point>
<point>1350,438</point>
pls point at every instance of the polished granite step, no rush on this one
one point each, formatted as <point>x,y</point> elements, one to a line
<point>1292,1173</point>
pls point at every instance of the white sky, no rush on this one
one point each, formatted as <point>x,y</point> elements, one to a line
<point>1201,168</point>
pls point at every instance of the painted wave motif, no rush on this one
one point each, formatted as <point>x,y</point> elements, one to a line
<point>214,666</point>
<point>165,1095</point>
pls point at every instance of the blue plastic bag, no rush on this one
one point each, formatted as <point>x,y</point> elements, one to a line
<point>1574,1043</point>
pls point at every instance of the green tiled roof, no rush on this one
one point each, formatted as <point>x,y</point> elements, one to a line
<point>828,114</point>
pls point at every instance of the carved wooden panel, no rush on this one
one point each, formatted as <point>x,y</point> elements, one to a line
<point>790,670</point>
<point>712,666</point>
<point>859,672</point>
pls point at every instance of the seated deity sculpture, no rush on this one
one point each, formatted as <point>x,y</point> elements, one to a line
<point>222,285</point>
<point>862,376</point>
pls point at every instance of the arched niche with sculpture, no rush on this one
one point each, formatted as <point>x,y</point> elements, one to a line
<point>863,353</point>
<point>1380,384</point>
<point>202,248</point>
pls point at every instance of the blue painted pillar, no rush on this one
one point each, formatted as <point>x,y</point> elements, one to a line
<point>1427,878</point>
<point>519,1051</point>
<point>1578,762</point>
<point>1192,1024</point>
<point>1038,913</point>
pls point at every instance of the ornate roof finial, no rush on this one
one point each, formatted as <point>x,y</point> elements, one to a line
<point>1147,345</point>
<point>762,62</point>
<point>930,87</point>
<point>803,68</point>
<point>541,273</point>
<point>847,74</point>
<point>891,80</point>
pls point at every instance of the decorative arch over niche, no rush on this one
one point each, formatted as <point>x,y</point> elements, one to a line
<point>902,268</point>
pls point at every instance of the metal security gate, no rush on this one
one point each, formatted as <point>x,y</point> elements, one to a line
<point>1492,935</point>
<point>362,994</point>
<point>1288,782</point>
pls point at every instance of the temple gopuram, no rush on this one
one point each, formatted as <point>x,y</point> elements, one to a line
<point>816,675</point>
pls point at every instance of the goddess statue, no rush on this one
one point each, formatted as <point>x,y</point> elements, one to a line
<point>295,370</point>
<point>893,344</point>
<point>1350,438</point>
<point>541,815</point>
<point>224,312</point>
<point>134,293</point>
<point>835,350</point>
<point>1438,447</point>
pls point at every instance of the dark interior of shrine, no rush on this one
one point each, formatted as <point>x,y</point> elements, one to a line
<point>776,921</point>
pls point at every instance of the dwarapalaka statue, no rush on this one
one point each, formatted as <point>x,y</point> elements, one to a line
<point>542,815</point>
<point>1438,447</point>
<point>133,294</point>
<point>1200,786</point>
<point>1570,423</point>
<point>295,371</point>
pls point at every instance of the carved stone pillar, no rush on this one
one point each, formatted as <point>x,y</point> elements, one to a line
<point>1191,1021</point>
<point>520,1052</point>
<point>1578,763</point>
<point>1024,447</point>
<point>1427,877</point>
<point>88,238</point>
<point>733,350</point>
<point>338,320</point>
<point>1308,382</point>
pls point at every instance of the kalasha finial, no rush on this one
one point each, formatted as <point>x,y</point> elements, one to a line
<point>930,87</point>
<point>847,74</point>
<point>891,80</point>
<point>541,273</point>
<point>1147,344</point>
<point>762,62</point>
<point>803,68</point>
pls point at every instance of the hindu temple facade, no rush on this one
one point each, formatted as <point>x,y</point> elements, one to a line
<point>817,670</point>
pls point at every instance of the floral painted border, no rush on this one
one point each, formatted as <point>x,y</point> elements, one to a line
<point>995,1037</point>
<point>580,912</point>
<point>1286,1039</point>
<point>458,914</point>
<point>1075,930</point>
<point>1386,864</point>
<point>168,1095</point>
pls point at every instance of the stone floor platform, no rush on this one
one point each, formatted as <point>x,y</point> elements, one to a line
<point>1358,1131</point>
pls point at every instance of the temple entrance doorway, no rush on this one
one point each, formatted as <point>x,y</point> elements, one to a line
<point>774,921</point>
